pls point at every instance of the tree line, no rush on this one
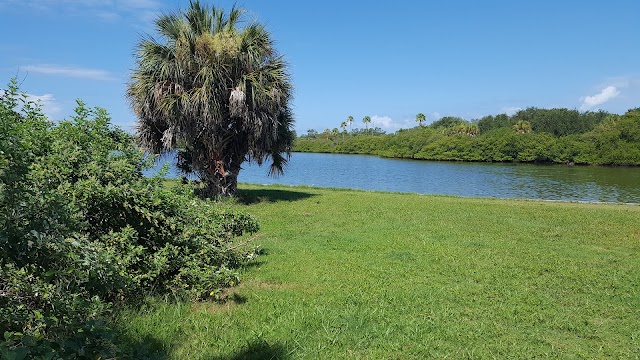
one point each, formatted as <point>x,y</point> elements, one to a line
<point>531,135</point>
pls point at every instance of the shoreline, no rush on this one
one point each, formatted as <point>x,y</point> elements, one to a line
<point>585,202</point>
<point>568,164</point>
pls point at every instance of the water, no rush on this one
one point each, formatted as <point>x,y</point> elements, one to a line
<point>365,172</point>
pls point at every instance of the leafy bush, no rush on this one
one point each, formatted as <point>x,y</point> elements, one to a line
<point>82,230</point>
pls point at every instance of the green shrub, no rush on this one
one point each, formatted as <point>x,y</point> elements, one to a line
<point>83,231</point>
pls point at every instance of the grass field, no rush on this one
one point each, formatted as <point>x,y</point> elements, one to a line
<point>350,274</point>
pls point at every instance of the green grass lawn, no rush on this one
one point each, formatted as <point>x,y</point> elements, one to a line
<point>351,274</point>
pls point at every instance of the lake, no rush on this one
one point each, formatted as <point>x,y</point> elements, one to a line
<point>524,181</point>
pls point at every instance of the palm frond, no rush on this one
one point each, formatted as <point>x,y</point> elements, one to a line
<point>170,25</point>
<point>219,91</point>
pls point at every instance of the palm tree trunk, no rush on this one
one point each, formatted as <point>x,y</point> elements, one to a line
<point>222,186</point>
<point>221,181</point>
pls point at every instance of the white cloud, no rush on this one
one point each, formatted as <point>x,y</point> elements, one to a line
<point>48,104</point>
<point>390,125</point>
<point>69,71</point>
<point>510,110</point>
<point>605,95</point>
<point>381,121</point>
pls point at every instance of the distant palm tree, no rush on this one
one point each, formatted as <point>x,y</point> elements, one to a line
<point>366,120</point>
<point>460,129</point>
<point>216,92</point>
<point>343,125</point>
<point>350,120</point>
<point>473,129</point>
<point>420,118</point>
<point>522,127</point>
<point>464,129</point>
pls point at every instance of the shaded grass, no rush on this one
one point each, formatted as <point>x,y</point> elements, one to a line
<point>380,275</point>
<point>252,196</point>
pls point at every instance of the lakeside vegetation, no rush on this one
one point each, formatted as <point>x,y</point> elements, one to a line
<point>532,136</point>
<point>102,262</point>
<point>353,274</point>
<point>99,261</point>
<point>84,233</point>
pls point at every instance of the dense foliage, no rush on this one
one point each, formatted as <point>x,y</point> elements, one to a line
<point>531,135</point>
<point>82,230</point>
<point>217,93</point>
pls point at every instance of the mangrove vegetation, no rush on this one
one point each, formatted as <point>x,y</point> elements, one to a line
<point>531,136</point>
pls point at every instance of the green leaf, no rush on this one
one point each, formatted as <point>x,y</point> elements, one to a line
<point>17,354</point>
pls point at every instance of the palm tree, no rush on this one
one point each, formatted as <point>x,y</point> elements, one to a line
<point>350,120</point>
<point>522,127</point>
<point>420,118</point>
<point>460,129</point>
<point>366,120</point>
<point>343,125</point>
<point>215,92</point>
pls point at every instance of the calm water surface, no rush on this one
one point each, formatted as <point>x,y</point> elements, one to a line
<point>549,182</point>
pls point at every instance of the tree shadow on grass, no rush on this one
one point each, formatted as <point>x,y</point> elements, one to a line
<point>249,197</point>
<point>254,264</point>
<point>258,351</point>
<point>237,299</point>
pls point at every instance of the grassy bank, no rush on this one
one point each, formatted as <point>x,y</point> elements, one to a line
<point>379,275</point>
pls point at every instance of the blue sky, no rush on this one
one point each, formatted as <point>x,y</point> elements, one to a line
<point>388,60</point>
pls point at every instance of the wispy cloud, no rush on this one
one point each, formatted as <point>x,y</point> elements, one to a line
<point>106,10</point>
<point>138,4</point>
<point>608,93</point>
<point>389,124</point>
<point>69,71</point>
<point>510,110</point>
<point>383,122</point>
<point>48,104</point>
<point>624,82</point>
<point>108,16</point>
